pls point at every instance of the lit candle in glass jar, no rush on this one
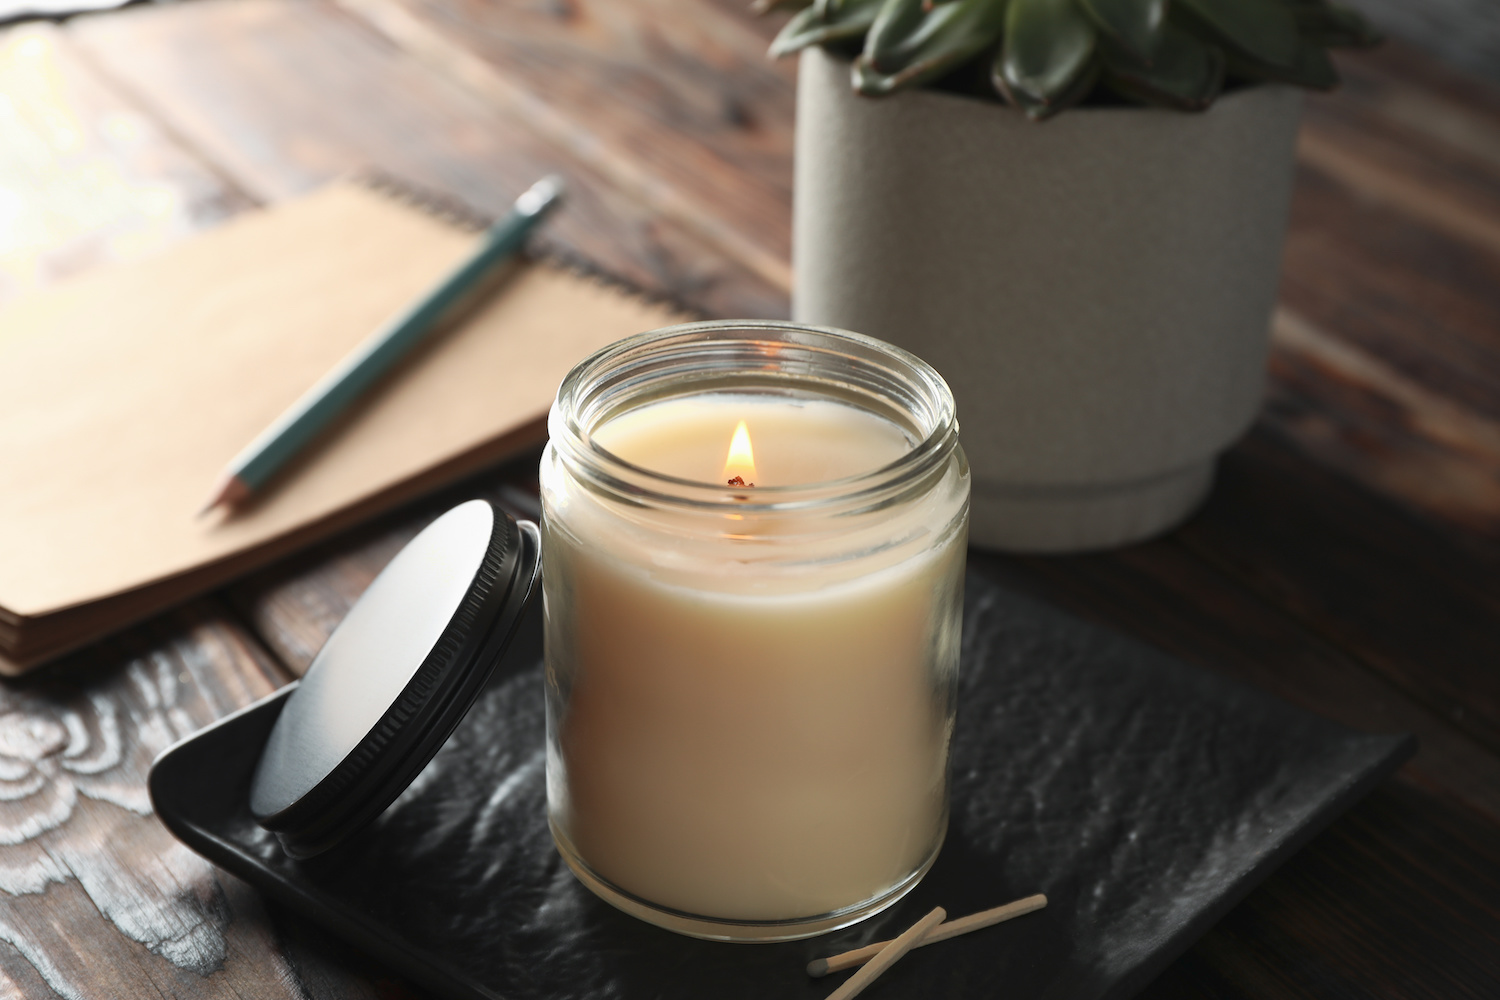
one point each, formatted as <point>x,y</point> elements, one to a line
<point>750,686</point>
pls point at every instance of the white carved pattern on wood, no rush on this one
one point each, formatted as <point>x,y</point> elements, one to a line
<point>75,821</point>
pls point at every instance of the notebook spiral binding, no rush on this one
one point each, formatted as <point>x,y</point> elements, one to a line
<point>460,214</point>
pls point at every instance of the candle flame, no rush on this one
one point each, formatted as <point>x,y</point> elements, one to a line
<point>740,463</point>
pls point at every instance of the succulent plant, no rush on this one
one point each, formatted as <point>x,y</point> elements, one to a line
<point>1044,55</point>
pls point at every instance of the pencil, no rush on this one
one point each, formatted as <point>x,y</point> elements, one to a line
<point>290,432</point>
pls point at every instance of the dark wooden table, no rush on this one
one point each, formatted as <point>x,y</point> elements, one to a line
<point>1348,561</point>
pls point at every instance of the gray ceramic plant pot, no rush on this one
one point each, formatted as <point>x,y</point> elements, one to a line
<point>1097,289</point>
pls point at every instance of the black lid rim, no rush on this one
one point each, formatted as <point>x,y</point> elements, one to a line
<point>492,581</point>
<point>322,836</point>
<point>429,708</point>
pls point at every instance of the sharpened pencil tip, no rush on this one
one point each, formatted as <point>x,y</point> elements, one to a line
<point>817,968</point>
<point>230,491</point>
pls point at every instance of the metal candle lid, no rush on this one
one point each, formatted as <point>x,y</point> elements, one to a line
<point>395,678</point>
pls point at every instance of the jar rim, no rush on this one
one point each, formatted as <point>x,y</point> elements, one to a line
<point>604,384</point>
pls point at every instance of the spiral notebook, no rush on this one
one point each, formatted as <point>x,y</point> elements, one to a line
<point>126,391</point>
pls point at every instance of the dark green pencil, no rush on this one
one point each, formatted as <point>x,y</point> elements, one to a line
<point>291,431</point>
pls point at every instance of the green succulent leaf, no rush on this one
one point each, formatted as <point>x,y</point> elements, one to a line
<point>905,49</point>
<point>1184,73</point>
<point>832,10</point>
<point>1337,27</point>
<point>1049,54</point>
<point>801,31</point>
<point>1311,68</point>
<point>847,11</point>
<point>1078,88</point>
<point>890,39</point>
<point>1262,29</point>
<point>839,20</point>
<point>1049,45</point>
<point>1133,25</point>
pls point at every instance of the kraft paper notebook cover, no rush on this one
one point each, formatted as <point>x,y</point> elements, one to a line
<point>126,391</point>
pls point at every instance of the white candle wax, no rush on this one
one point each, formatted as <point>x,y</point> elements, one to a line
<point>747,736</point>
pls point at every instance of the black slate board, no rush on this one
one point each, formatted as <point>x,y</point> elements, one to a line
<point>1143,796</point>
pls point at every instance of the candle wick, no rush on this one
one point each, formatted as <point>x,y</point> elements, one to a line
<point>739,481</point>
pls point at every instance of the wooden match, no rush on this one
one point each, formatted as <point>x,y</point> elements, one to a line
<point>963,925</point>
<point>888,954</point>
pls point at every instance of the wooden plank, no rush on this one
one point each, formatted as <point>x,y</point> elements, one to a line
<point>677,98</point>
<point>1398,289</point>
<point>1405,599</point>
<point>85,178</point>
<point>287,94</point>
<point>1357,413</point>
<point>1428,150</point>
<point>1395,233</point>
<point>1404,83</point>
<point>763,25</point>
<point>96,897</point>
<point>1387,346</point>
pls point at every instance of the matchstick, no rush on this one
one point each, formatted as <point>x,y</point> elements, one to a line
<point>888,954</point>
<point>963,925</point>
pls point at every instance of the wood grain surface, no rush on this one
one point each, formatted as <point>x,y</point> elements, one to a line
<point>96,898</point>
<point>88,178</point>
<point>1346,561</point>
<point>286,94</point>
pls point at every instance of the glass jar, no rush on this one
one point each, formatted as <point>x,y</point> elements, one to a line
<point>750,689</point>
